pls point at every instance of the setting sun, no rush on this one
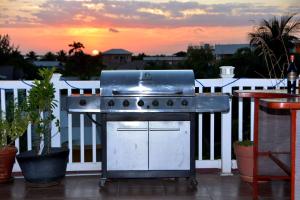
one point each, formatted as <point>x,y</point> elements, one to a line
<point>95,52</point>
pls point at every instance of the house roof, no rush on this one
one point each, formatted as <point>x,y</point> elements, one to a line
<point>47,63</point>
<point>164,58</point>
<point>223,49</point>
<point>116,52</point>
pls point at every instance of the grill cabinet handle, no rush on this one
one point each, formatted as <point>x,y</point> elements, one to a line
<point>117,92</point>
<point>164,129</point>
<point>132,129</point>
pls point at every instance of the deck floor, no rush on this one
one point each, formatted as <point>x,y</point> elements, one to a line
<point>211,186</point>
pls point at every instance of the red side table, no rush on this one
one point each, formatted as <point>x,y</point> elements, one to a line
<point>257,95</point>
<point>284,138</point>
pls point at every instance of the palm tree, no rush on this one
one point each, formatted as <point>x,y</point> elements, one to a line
<point>32,56</point>
<point>273,39</point>
<point>76,48</point>
<point>61,56</point>
<point>49,56</point>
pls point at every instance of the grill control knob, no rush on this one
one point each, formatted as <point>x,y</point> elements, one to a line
<point>170,102</point>
<point>155,103</point>
<point>184,102</point>
<point>126,103</point>
<point>82,102</point>
<point>141,103</point>
<point>111,103</point>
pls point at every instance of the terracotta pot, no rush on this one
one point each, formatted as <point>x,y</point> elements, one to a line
<point>7,160</point>
<point>244,159</point>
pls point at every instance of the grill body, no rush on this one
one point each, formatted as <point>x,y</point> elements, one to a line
<point>148,145</point>
<point>148,121</point>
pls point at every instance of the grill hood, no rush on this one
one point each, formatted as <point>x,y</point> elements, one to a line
<point>144,91</point>
<point>147,83</point>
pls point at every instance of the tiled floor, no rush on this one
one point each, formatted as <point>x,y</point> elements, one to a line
<point>211,186</point>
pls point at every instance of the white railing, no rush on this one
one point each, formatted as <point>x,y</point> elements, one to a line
<point>227,85</point>
<point>83,139</point>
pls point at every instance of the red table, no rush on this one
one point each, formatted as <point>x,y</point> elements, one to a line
<point>292,107</point>
<point>257,95</point>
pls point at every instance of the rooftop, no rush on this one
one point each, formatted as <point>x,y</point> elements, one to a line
<point>163,58</point>
<point>221,49</point>
<point>116,52</point>
<point>47,63</point>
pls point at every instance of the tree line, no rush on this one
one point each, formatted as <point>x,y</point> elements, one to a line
<point>271,43</point>
<point>75,62</point>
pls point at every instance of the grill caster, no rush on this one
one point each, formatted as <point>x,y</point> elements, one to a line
<point>102,182</point>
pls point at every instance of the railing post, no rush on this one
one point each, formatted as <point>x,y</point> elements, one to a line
<point>226,138</point>
<point>56,142</point>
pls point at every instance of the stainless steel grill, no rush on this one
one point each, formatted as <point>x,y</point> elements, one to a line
<point>148,122</point>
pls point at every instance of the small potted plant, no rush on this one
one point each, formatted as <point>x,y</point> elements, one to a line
<point>244,157</point>
<point>12,127</point>
<point>44,165</point>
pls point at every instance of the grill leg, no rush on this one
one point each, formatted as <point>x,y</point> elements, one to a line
<point>102,182</point>
<point>193,182</point>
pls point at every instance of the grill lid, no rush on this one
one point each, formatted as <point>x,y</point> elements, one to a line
<point>147,83</point>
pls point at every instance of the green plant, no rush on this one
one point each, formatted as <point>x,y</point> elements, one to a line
<point>245,143</point>
<point>14,124</point>
<point>41,103</point>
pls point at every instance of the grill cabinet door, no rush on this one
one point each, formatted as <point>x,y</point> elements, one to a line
<point>169,145</point>
<point>127,145</point>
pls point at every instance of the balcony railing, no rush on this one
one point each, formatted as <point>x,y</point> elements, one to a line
<point>216,132</point>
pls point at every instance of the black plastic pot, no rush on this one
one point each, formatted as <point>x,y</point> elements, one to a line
<point>44,168</point>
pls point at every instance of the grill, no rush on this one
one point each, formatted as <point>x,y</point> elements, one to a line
<point>148,122</point>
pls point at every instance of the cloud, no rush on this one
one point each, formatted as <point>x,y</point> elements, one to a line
<point>154,11</point>
<point>83,18</point>
<point>94,6</point>
<point>198,30</point>
<point>138,14</point>
<point>113,30</point>
<point>191,12</point>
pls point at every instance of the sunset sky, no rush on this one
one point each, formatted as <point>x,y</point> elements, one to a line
<point>150,26</point>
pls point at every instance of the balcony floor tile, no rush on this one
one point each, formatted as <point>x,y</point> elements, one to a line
<point>211,186</point>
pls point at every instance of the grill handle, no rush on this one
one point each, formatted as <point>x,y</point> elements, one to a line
<point>116,92</point>
<point>132,129</point>
<point>164,129</point>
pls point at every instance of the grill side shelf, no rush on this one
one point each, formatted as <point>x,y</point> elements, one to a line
<point>212,103</point>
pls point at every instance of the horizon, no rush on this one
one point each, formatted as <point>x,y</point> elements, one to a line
<point>140,26</point>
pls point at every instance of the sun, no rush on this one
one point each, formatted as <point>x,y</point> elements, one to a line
<point>95,52</point>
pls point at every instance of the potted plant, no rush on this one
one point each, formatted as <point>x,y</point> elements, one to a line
<point>244,157</point>
<point>44,164</point>
<point>12,127</point>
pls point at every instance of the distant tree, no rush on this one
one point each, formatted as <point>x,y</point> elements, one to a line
<point>49,56</point>
<point>201,60</point>
<point>80,64</point>
<point>180,54</point>
<point>31,55</point>
<point>247,63</point>
<point>61,56</point>
<point>273,39</point>
<point>83,66</point>
<point>6,48</point>
<point>140,56</point>
<point>76,48</point>
<point>10,55</point>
